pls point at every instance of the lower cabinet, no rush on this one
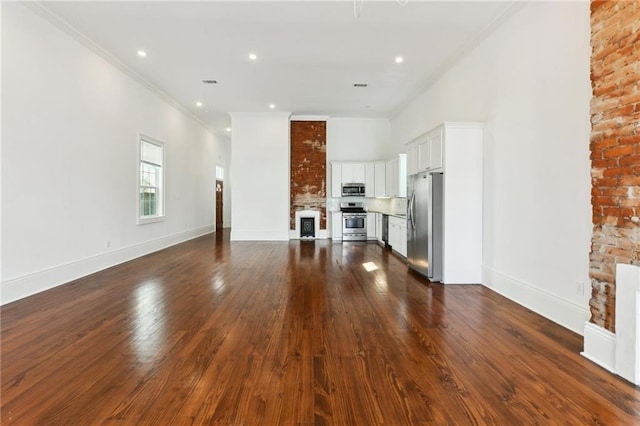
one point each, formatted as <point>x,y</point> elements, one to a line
<point>336,226</point>
<point>398,235</point>
<point>371,226</point>
<point>379,227</point>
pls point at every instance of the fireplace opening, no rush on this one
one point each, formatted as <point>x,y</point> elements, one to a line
<point>307,227</point>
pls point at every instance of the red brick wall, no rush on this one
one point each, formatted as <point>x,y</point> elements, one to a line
<point>615,149</point>
<point>308,169</point>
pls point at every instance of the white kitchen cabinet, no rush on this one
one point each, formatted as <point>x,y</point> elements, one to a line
<point>353,173</point>
<point>359,172</point>
<point>371,226</point>
<point>336,180</point>
<point>369,180</point>
<point>392,233</point>
<point>391,188</point>
<point>412,159</point>
<point>402,247</point>
<point>425,152</point>
<point>379,227</point>
<point>455,149</point>
<point>396,176</point>
<point>435,149</point>
<point>336,226</point>
<point>398,234</point>
<point>347,173</point>
<point>380,179</point>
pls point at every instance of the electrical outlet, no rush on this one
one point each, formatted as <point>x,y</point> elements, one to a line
<point>580,288</point>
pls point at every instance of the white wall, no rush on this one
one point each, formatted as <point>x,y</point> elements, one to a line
<point>529,81</point>
<point>358,139</point>
<point>260,175</point>
<point>69,165</point>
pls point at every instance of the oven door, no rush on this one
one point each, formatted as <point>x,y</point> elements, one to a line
<point>354,227</point>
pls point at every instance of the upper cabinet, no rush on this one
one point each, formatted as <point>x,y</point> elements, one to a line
<point>369,180</point>
<point>435,150</point>
<point>353,172</point>
<point>372,174</point>
<point>425,152</point>
<point>380,179</point>
<point>349,173</point>
<point>412,159</point>
<point>396,176</point>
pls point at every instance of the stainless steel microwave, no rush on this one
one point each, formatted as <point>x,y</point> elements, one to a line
<point>353,189</point>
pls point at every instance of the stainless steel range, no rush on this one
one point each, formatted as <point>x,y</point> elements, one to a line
<point>354,221</point>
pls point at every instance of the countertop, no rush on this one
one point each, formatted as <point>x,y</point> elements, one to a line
<point>400,215</point>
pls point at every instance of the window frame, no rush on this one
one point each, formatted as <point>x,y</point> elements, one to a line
<point>160,206</point>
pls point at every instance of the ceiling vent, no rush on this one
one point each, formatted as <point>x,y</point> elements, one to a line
<point>360,84</point>
<point>209,81</point>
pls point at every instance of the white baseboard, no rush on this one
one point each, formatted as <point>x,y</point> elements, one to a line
<point>238,235</point>
<point>599,346</point>
<point>27,285</point>
<point>563,312</point>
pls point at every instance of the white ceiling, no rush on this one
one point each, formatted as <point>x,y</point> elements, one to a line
<point>310,53</point>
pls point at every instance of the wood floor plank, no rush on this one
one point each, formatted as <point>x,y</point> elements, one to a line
<point>271,333</point>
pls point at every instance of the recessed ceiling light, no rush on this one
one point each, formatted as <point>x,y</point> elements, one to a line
<point>210,81</point>
<point>198,104</point>
<point>399,59</point>
<point>228,129</point>
<point>253,56</point>
<point>142,53</point>
<point>360,84</point>
<point>272,106</point>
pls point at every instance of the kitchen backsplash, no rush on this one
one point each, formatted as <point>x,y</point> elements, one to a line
<point>385,205</point>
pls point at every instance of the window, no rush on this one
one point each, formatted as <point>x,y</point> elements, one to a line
<point>151,183</point>
<point>219,173</point>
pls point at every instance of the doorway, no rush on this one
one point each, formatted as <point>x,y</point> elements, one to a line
<point>219,206</point>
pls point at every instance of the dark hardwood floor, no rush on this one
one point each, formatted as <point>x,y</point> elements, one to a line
<point>276,333</point>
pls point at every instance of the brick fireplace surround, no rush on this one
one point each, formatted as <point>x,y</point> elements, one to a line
<point>615,150</point>
<point>308,169</point>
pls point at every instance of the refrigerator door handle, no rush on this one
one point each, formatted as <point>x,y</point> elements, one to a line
<point>411,213</point>
<point>411,206</point>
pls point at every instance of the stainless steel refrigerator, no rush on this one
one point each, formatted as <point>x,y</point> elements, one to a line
<point>425,223</point>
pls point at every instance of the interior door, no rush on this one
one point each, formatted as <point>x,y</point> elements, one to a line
<point>219,205</point>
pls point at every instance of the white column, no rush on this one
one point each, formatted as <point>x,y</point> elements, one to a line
<point>627,330</point>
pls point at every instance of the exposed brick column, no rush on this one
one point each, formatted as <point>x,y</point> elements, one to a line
<point>615,149</point>
<point>308,169</point>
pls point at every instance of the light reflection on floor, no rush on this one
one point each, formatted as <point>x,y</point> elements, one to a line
<point>149,320</point>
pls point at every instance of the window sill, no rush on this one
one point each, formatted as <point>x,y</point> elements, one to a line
<point>153,219</point>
